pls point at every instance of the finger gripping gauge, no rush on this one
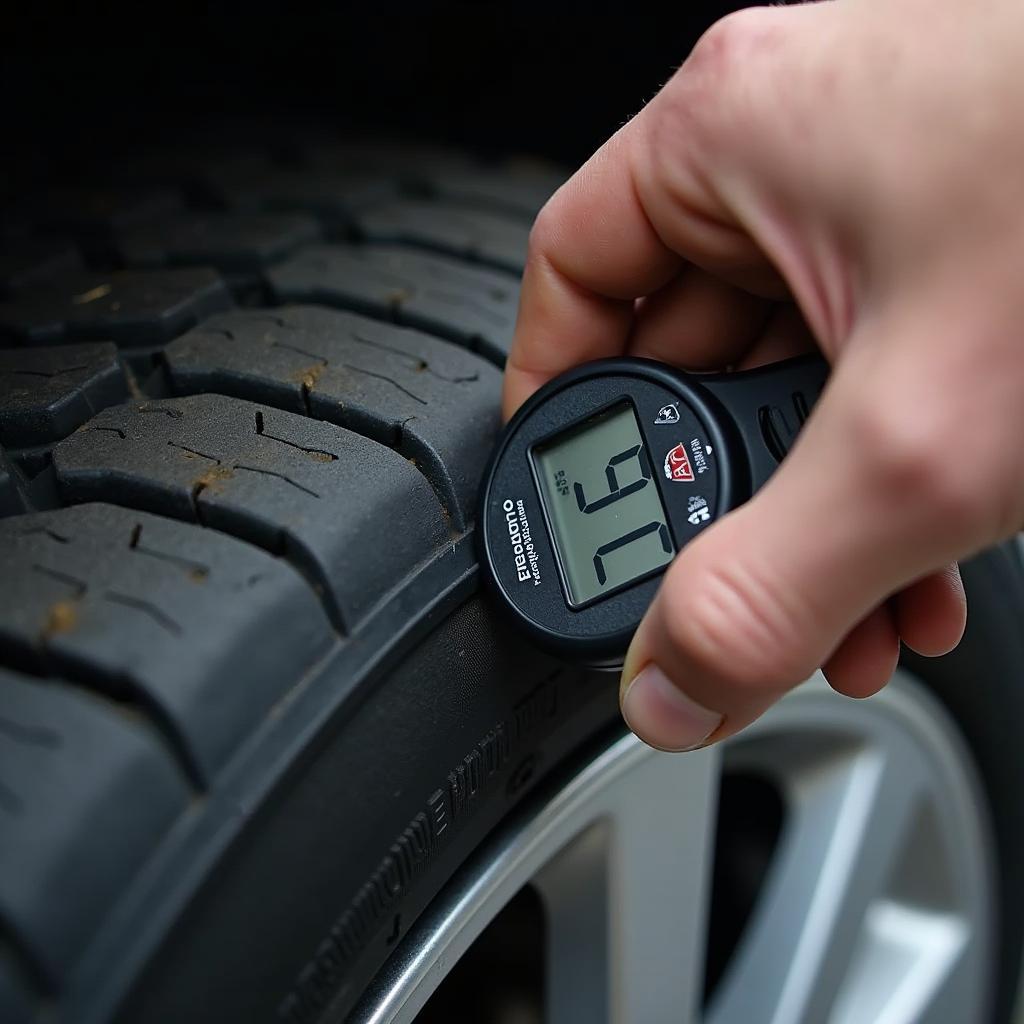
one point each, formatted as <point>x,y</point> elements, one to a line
<point>611,469</point>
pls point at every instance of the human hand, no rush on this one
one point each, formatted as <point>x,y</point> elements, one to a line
<point>865,162</point>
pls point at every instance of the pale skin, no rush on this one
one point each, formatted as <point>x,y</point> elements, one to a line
<point>848,175</point>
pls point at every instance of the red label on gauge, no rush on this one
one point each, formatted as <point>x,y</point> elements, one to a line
<point>677,465</point>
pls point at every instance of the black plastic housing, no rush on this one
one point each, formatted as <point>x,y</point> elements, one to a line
<point>737,427</point>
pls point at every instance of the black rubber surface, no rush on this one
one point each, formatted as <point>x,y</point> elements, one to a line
<point>159,615</point>
<point>305,490</point>
<point>519,192</point>
<point>26,261</point>
<point>225,529</point>
<point>17,1001</point>
<point>415,165</point>
<point>130,307</point>
<point>201,171</point>
<point>471,306</point>
<point>232,243</point>
<point>47,392</point>
<point>94,214</point>
<point>86,792</point>
<point>12,492</point>
<point>332,197</point>
<point>479,236</point>
<point>302,914</point>
<point>432,402</point>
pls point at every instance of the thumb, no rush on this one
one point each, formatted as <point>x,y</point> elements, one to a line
<point>863,505</point>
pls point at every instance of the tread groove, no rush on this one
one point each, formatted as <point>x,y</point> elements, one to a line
<point>278,476</point>
<point>418,364</point>
<point>198,569</point>
<point>147,608</point>
<point>389,380</point>
<point>79,587</point>
<point>317,453</point>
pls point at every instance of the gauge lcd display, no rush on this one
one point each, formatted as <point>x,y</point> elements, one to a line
<point>607,520</point>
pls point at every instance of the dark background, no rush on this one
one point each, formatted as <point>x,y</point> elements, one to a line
<point>551,80</point>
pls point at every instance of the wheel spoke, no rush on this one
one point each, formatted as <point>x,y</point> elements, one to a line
<point>850,806</point>
<point>909,968</point>
<point>574,888</point>
<point>625,900</point>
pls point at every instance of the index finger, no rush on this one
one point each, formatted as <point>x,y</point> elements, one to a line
<point>593,251</point>
<point>659,194</point>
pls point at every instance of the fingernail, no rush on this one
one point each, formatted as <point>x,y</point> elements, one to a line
<point>663,716</point>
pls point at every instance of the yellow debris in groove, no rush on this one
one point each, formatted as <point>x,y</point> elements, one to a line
<point>92,294</point>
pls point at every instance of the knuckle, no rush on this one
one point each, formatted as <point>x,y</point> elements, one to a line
<point>912,457</point>
<point>725,44</point>
<point>737,629</point>
<point>731,52</point>
<point>549,234</point>
<point>544,229</point>
<point>707,105</point>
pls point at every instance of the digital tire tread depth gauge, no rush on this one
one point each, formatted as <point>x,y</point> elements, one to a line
<point>609,470</point>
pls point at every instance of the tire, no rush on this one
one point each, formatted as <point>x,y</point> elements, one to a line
<point>242,650</point>
<point>254,711</point>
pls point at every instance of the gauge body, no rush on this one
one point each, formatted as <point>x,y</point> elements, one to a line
<point>610,470</point>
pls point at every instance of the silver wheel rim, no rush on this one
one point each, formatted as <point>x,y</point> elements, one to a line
<point>878,906</point>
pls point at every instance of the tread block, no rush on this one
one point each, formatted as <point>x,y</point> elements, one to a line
<point>351,514</point>
<point>86,792</point>
<point>469,305</point>
<point>98,212</point>
<point>412,163</point>
<point>331,197</point>
<point>432,401</point>
<point>12,496</point>
<point>201,171</point>
<point>28,261</point>
<point>202,631</point>
<point>130,307</point>
<point>481,236</point>
<point>45,393</point>
<point>231,242</point>
<point>519,192</point>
